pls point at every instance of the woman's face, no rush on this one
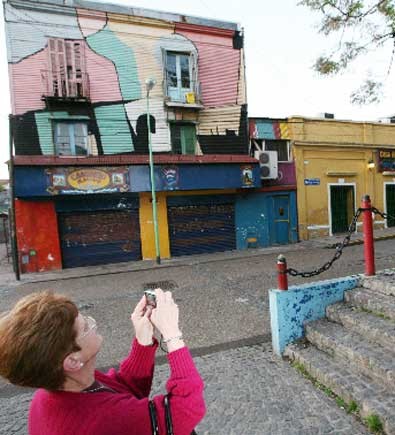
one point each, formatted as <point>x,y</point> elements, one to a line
<point>87,337</point>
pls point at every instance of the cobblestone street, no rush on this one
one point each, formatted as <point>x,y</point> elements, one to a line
<point>224,315</point>
<point>248,391</point>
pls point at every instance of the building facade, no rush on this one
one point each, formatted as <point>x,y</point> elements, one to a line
<point>270,143</point>
<point>83,122</point>
<point>337,163</point>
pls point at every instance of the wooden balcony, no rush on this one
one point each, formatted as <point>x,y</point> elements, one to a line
<point>65,86</point>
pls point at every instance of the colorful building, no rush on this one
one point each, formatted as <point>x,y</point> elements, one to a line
<point>270,143</point>
<point>81,123</point>
<point>337,162</point>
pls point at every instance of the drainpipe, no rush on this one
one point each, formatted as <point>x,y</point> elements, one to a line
<point>14,244</point>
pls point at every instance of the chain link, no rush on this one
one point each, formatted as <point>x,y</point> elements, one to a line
<point>383,215</point>
<point>338,254</point>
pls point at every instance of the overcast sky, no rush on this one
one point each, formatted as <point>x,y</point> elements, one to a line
<point>281,45</point>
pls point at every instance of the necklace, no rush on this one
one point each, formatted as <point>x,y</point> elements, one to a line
<point>97,386</point>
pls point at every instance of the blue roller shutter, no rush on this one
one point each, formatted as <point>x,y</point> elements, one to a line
<point>201,225</point>
<point>99,237</point>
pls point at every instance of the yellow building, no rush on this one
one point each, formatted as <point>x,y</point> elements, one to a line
<point>337,162</point>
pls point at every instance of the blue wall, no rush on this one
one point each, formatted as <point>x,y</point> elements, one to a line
<point>290,309</point>
<point>255,218</point>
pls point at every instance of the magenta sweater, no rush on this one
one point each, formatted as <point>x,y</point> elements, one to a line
<point>126,411</point>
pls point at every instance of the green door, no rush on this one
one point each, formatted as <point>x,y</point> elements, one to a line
<point>390,198</point>
<point>188,139</point>
<point>342,208</point>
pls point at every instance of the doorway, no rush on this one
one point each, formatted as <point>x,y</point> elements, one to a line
<point>281,233</point>
<point>342,207</point>
<point>390,203</point>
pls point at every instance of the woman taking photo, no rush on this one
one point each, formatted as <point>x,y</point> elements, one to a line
<point>47,344</point>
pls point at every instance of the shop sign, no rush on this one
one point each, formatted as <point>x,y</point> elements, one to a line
<point>311,181</point>
<point>87,180</point>
<point>386,161</point>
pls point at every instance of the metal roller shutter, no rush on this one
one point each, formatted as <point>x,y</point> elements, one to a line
<point>201,228</point>
<point>99,237</point>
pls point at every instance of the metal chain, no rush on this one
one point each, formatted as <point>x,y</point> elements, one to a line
<point>382,214</point>
<point>338,254</point>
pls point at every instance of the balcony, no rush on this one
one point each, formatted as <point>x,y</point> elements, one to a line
<point>178,96</point>
<point>65,85</point>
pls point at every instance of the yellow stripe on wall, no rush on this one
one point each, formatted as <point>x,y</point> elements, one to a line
<point>147,226</point>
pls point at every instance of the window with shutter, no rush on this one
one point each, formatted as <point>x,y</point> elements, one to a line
<point>66,62</point>
<point>183,138</point>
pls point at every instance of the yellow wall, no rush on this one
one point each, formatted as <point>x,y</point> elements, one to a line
<point>147,226</point>
<point>336,152</point>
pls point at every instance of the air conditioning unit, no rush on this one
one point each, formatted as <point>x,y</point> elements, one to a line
<point>268,164</point>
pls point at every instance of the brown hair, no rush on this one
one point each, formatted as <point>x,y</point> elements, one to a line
<point>35,337</point>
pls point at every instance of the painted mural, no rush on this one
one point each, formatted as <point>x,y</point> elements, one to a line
<point>100,62</point>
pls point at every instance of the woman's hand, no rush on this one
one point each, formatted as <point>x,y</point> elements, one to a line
<point>165,319</point>
<point>141,322</point>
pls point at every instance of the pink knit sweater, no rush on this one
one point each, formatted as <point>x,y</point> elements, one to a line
<point>124,412</point>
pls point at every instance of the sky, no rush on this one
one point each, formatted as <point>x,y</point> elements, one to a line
<point>281,45</point>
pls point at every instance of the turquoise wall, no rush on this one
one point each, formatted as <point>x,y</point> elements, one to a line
<point>254,218</point>
<point>114,129</point>
<point>108,45</point>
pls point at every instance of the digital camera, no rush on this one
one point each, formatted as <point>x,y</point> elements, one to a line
<point>151,297</point>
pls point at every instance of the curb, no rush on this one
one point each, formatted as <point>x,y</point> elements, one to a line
<point>360,241</point>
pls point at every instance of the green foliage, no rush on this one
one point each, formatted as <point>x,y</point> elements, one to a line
<point>374,423</point>
<point>352,407</point>
<point>362,26</point>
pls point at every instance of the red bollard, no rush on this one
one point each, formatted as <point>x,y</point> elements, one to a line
<point>368,241</point>
<point>282,277</point>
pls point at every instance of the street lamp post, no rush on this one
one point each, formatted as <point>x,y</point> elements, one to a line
<point>149,84</point>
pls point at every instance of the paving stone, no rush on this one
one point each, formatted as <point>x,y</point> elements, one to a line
<point>371,397</point>
<point>372,301</point>
<point>374,328</point>
<point>368,358</point>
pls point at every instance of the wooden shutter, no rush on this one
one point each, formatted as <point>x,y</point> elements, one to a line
<point>188,139</point>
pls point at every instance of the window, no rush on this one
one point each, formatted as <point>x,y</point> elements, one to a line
<point>71,138</point>
<point>66,64</point>
<point>183,138</point>
<point>180,69</point>
<point>282,148</point>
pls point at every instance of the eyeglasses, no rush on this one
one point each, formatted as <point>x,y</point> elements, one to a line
<point>90,325</point>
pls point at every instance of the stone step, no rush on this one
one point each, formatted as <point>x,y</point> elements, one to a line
<point>370,396</point>
<point>374,328</point>
<point>370,300</point>
<point>370,359</point>
<point>384,282</point>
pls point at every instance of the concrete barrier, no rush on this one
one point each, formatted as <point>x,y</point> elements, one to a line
<point>291,309</point>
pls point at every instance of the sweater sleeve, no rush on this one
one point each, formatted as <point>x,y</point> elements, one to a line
<point>137,369</point>
<point>185,388</point>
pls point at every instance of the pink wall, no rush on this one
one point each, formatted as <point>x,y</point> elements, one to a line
<point>219,65</point>
<point>27,83</point>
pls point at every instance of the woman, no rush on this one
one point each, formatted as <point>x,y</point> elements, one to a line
<point>46,343</point>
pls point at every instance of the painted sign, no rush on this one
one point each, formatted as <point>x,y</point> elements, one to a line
<point>247,176</point>
<point>386,161</point>
<point>87,180</point>
<point>311,181</point>
<point>170,177</point>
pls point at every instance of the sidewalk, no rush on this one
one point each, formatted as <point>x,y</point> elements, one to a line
<point>7,276</point>
<point>356,238</point>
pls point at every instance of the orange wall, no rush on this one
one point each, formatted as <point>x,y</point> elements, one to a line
<point>37,236</point>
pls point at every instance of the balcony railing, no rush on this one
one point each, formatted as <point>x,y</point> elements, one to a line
<point>183,96</point>
<point>65,85</point>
